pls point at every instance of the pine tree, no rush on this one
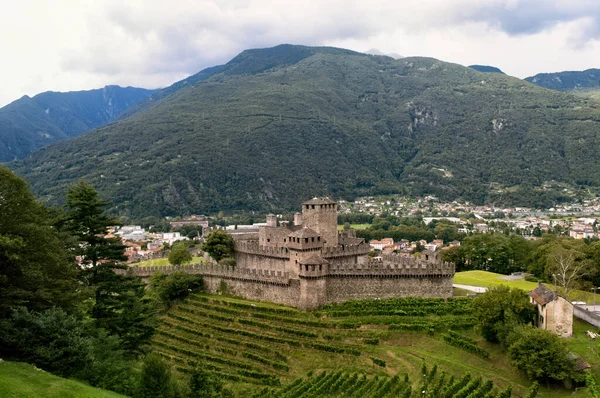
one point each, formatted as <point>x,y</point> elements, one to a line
<point>118,300</point>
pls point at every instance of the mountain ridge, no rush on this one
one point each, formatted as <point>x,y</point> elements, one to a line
<point>29,123</point>
<point>568,80</point>
<point>275,126</point>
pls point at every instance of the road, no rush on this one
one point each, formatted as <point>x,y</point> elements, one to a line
<point>475,289</point>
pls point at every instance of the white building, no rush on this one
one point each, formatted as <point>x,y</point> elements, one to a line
<point>172,237</point>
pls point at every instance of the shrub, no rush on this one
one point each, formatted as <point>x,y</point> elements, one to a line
<point>175,286</point>
<point>155,380</point>
<point>378,362</point>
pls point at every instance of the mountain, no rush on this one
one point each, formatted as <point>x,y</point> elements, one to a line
<point>30,123</point>
<point>278,125</point>
<point>485,68</point>
<point>375,51</point>
<point>568,81</point>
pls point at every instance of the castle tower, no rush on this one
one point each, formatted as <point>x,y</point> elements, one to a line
<point>320,215</point>
<point>298,218</point>
<point>271,220</point>
<point>302,244</point>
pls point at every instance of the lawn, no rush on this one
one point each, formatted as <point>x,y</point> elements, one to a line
<point>355,226</point>
<point>490,279</point>
<point>23,380</point>
<point>162,262</point>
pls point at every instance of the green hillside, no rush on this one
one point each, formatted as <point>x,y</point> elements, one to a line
<point>32,122</point>
<point>261,349</point>
<point>275,126</point>
<point>21,380</point>
<point>568,80</point>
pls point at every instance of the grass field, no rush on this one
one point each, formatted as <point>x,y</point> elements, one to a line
<point>259,346</point>
<point>163,262</point>
<point>490,279</point>
<point>21,380</point>
<point>355,226</point>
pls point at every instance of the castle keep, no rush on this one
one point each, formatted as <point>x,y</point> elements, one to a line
<point>310,263</point>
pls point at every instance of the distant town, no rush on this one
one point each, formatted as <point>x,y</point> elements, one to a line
<point>577,220</point>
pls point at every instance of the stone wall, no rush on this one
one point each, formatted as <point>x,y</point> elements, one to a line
<point>559,317</point>
<point>355,288</point>
<point>256,290</point>
<point>343,279</point>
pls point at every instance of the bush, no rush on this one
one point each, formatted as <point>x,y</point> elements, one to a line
<point>156,380</point>
<point>539,353</point>
<point>52,340</point>
<point>175,286</point>
<point>378,362</point>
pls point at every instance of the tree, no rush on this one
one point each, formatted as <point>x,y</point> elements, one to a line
<point>539,353</point>
<point>179,254</point>
<point>118,303</point>
<point>218,244</point>
<point>52,339</point>
<point>174,286</point>
<point>204,385</point>
<point>568,266</point>
<point>499,310</point>
<point>156,379</point>
<point>36,269</point>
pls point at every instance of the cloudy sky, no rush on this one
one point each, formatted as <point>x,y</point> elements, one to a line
<point>64,45</point>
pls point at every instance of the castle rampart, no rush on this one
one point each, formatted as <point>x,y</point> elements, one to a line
<point>307,266</point>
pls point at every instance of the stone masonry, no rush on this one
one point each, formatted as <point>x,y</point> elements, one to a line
<point>310,263</point>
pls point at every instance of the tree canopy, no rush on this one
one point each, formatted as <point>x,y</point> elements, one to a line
<point>218,244</point>
<point>36,270</point>
<point>499,310</point>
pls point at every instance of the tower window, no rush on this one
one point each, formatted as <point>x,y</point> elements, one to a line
<point>313,239</point>
<point>313,206</point>
<point>305,240</point>
<point>318,238</point>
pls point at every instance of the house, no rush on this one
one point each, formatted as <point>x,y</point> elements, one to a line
<point>582,232</point>
<point>172,237</point>
<point>554,313</point>
<point>381,244</point>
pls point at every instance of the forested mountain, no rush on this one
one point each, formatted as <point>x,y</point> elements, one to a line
<point>485,68</point>
<point>32,122</point>
<point>275,126</point>
<point>569,80</point>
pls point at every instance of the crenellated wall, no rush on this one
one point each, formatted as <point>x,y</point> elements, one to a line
<point>383,277</point>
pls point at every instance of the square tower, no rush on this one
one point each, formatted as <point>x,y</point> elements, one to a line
<point>320,215</point>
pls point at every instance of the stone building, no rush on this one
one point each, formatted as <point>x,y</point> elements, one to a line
<point>311,263</point>
<point>554,313</point>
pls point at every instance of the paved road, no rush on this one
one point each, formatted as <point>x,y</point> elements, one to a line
<point>475,289</point>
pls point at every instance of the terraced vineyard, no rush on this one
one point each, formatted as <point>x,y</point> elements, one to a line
<point>368,348</point>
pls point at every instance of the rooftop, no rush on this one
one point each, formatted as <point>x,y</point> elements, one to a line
<point>304,233</point>
<point>319,201</point>
<point>542,295</point>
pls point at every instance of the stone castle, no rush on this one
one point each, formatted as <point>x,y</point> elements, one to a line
<point>310,263</point>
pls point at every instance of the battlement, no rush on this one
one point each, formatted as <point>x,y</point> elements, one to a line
<point>252,247</point>
<point>215,270</point>
<point>346,250</point>
<point>393,265</point>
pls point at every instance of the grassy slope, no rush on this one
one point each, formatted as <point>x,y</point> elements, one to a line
<point>491,279</point>
<point>23,380</point>
<point>163,262</point>
<point>403,351</point>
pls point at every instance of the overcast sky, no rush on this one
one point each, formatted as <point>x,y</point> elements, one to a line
<point>64,45</point>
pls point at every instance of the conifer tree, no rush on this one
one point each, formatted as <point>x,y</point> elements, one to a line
<point>118,303</point>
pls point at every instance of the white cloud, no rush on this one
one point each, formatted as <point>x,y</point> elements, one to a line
<point>72,45</point>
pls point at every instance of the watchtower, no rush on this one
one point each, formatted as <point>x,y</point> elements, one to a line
<point>320,215</point>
